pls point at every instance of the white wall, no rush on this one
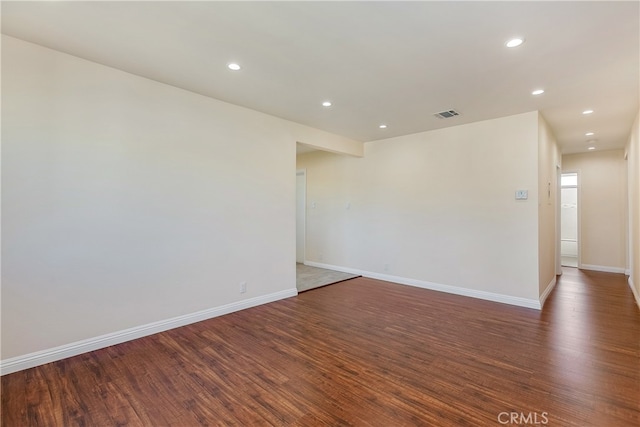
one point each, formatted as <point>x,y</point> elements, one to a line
<point>127,202</point>
<point>437,206</point>
<point>321,140</point>
<point>603,208</point>
<point>633,179</point>
<point>548,161</point>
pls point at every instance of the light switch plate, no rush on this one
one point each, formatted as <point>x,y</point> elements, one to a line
<point>522,194</point>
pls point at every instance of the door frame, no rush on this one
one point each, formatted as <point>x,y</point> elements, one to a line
<point>303,217</point>
<point>558,220</point>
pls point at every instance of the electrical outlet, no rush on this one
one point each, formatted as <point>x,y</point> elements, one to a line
<point>243,287</point>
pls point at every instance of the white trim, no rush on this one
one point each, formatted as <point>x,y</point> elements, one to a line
<point>73,349</point>
<point>334,267</point>
<point>490,296</point>
<point>602,268</point>
<point>303,173</point>
<point>557,219</point>
<point>545,294</point>
<point>633,290</point>
<point>627,272</point>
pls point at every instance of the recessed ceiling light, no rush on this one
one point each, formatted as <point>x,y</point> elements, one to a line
<point>515,42</point>
<point>382,126</point>
<point>591,148</point>
<point>589,134</point>
<point>326,104</point>
<point>233,66</point>
<point>587,112</point>
<point>537,92</point>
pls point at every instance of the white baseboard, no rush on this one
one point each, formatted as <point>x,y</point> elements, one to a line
<point>490,296</point>
<point>627,272</point>
<point>603,268</point>
<point>334,267</point>
<point>31,360</point>
<point>547,291</point>
<point>634,291</point>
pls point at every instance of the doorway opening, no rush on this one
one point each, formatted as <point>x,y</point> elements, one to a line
<point>569,220</point>
<point>310,274</point>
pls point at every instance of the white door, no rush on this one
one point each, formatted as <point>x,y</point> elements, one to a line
<point>301,202</point>
<point>569,243</point>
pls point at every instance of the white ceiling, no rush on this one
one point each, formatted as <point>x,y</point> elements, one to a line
<point>378,62</point>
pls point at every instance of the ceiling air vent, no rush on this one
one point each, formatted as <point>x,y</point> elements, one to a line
<point>446,114</point>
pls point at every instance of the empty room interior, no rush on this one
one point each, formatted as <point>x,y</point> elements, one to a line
<point>467,172</point>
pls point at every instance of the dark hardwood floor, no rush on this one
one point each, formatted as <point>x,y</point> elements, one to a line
<point>364,353</point>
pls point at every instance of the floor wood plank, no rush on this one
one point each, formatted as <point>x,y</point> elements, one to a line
<point>364,353</point>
